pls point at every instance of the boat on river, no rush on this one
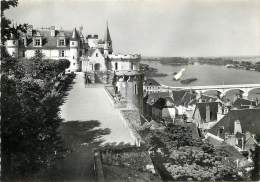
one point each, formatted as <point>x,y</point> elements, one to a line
<point>179,74</point>
<point>189,80</point>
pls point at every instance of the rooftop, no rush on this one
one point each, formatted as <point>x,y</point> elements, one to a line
<point>249,120</point>
<point>151,82</point>
<point>128,72</point>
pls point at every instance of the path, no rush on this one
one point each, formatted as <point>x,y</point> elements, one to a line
<point>92,103</point>
<point>89,122</point>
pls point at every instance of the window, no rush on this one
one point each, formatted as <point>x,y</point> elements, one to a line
<point>62,42</point>
<point>72,43</point>
<point>23,54</point>
<point>96,54</point>
<point>115,66</point>
<point>37,42</point>
<point>135,89</point>
<point>62,53</point>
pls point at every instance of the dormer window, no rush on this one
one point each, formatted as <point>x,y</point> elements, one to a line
<point>62,42</point>
<point>37,42</point>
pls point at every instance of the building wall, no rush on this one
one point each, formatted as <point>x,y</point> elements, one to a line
<point>156,114</point>
<point>12,47</point>
<point>96,59</point>
<point>124,65</point>
<point>132,90</point>
<point>197,118</point>
<point>93,42</point>
<point>55,54</point>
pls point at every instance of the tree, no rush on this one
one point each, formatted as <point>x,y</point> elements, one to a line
<point>186,158</point>
<point>30,106</point>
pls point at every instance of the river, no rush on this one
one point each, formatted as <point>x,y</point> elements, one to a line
<point>206,75</point>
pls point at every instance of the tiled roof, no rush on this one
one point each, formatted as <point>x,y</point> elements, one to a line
<point>162,102</point>
<point>107,37</point>
<point>201,106</point>
<point>50,42</point>
<point>243,103</point>
<point>177,96</point>
<point>75,34</point>
<point>207,98</point>
<point>249,120</point>
<point>153,97</point>
<point>151,82</point>
<point>188,99</point>
<point>90,52</point>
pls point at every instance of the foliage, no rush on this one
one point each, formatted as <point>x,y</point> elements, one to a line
<point>186,158</point>
<point>6,28</point>
<point>32,92</point>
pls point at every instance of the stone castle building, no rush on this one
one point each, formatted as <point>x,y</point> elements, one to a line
<point>85,53</point>
<point>88,54</point>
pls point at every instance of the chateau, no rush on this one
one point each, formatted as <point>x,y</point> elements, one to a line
<point>86,53</point>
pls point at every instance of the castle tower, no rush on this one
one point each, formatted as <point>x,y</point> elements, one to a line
<point>74,53</point>
<point>12,46</point>
<point>107,42</point>
<point>129,84</point>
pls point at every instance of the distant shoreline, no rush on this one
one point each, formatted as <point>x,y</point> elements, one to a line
<point>253,65</point>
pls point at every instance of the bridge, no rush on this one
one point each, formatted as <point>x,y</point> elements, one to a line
<point>221,89</point>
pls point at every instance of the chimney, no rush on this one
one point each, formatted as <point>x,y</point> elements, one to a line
<point>207,113</point>
<point>237,127</point>
<point>30,30</point>
<point>52,30</point>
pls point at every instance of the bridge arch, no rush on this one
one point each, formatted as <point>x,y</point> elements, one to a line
<point>252,95</point>
<point>210,92</point>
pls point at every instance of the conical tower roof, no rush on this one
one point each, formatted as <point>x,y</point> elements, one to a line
<point>75,35</point>
<point>107,37</point>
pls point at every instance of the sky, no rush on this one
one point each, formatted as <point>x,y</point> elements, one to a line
<point>155,27</point>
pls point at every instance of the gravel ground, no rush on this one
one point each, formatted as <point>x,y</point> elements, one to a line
<point>90,121</point>
<point>91,103</point>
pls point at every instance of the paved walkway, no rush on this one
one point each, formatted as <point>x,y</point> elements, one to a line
<point>90,102</point>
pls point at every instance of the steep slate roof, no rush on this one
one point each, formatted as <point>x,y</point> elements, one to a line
<point>107,37</point>
<point>243,103</point>
<point>177,96</point>
<point>49,42</point>
<point>75,34</point>
<point>201,106</point>
<point>208,98</point>
<point>151,82</point>
<point>188,99</point>
<point>162,103</point>
<point>249,120</point>
<point>91,51</point>
<point>153,97</point>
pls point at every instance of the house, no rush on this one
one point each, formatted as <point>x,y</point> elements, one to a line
<point>163,110</point>
<point>186,104</point>
<point>241,103</point>
<point>206,114</point>
<point>151,86</point>
<point>149,100</point>
<point>239,128</point>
